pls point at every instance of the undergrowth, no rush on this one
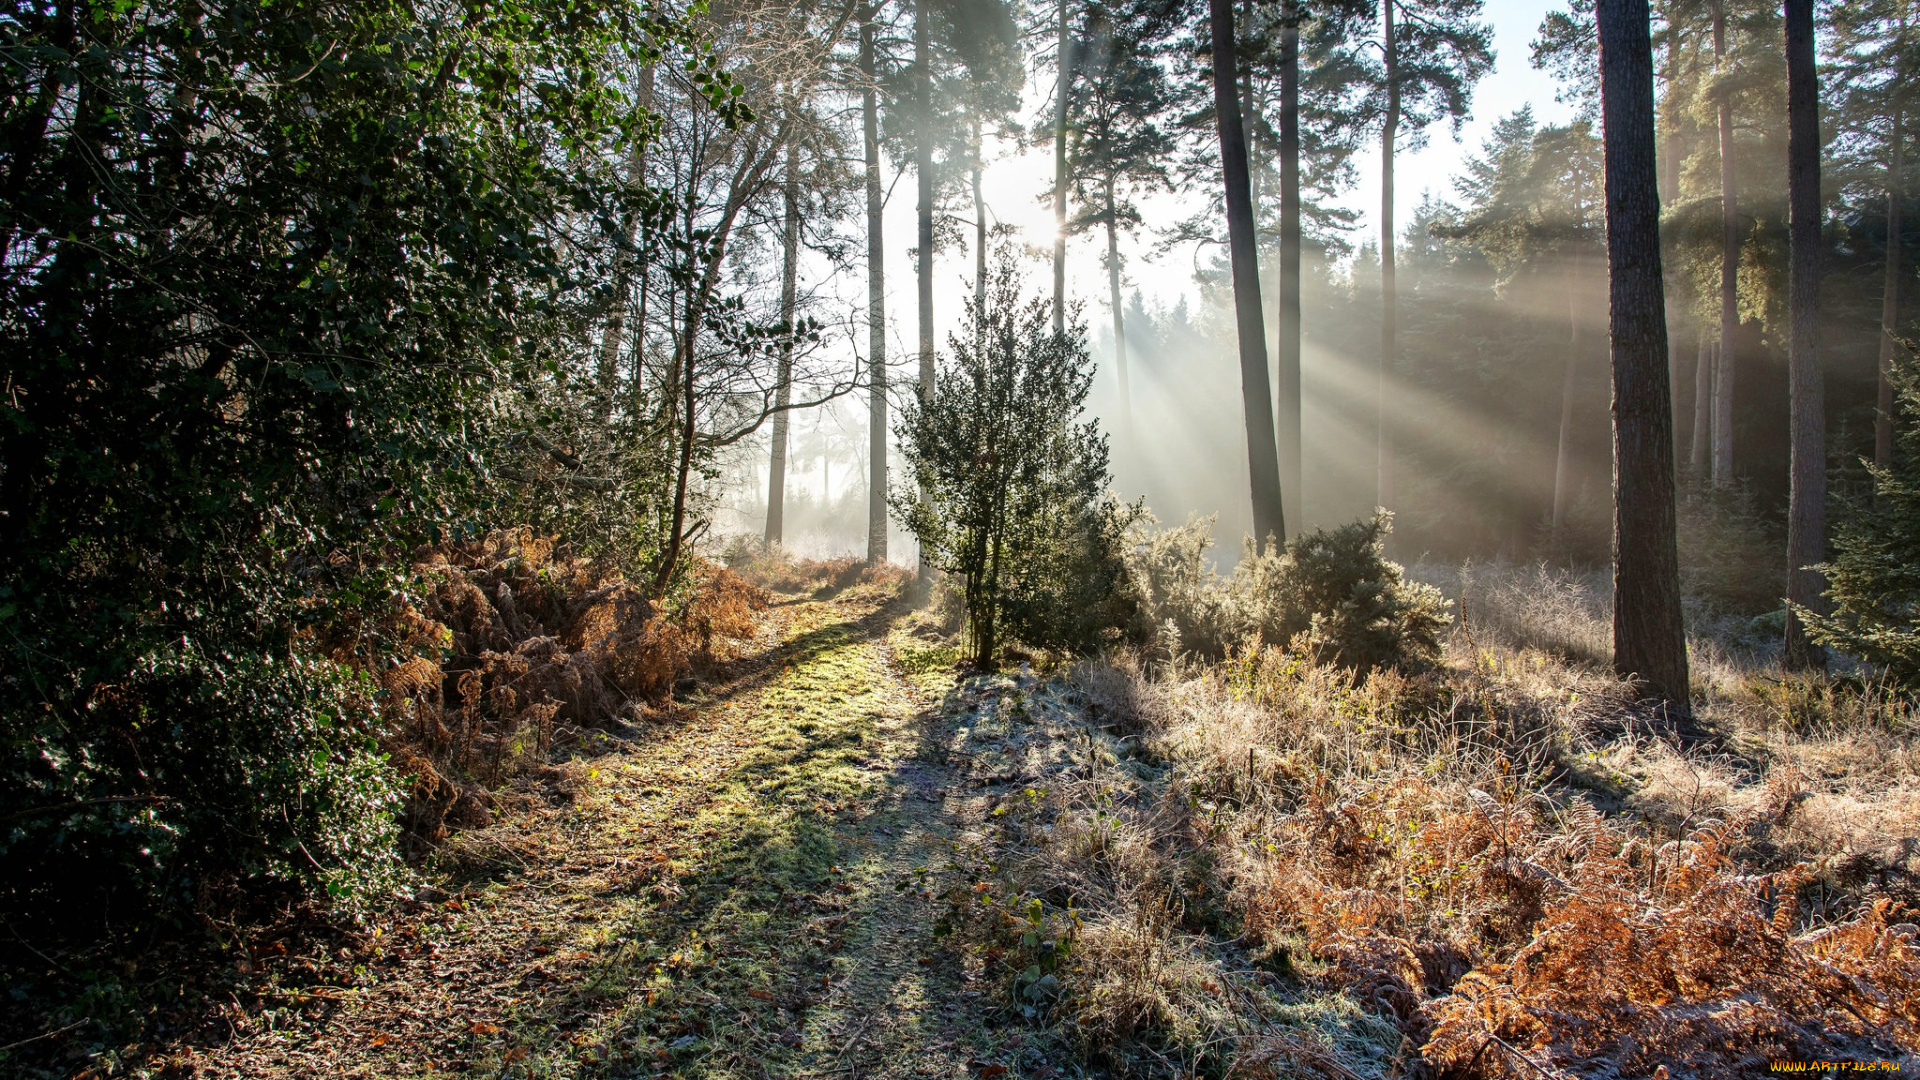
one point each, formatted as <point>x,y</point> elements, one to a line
<point>393,724</point>
<point>772,567</point>
<point>516,647</point>
<point>1493,867</point>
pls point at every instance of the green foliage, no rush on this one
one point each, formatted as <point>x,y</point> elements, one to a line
<point>1336,587</point>
<point>1008,487</point>
<point>1184,606</point>
<point>288,289</point>
<point>1873,579</point>
<point>251,768</point>
<point>1331,592</point>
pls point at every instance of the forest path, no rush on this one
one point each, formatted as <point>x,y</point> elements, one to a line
<point>738,895</point>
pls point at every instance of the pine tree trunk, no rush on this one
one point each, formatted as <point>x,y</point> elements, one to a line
<point>1125,425</point>
<point>1287,354</point>
<point>876,298</point>
<point>1649,639</point>
<point>923,209</point>
<point>979,227</point>
<point>1389,298</point>
<point>1729,269</point>
<point>1060,175</point>
<point>1263,465</point>
<point>783,387</point>
<point>1807,498</point>
<point>1563,457</point>
<point>1890,301</point>
<point>1702,407</point>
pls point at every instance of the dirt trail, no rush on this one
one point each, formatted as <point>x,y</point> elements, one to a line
<point>739,895</point>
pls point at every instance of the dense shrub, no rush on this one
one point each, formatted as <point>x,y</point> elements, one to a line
<point>1336,587</point>
<point>518,645</point>
<point>772,566</point>
<point>216,769</point>
<point>1184,606</point>
<point>1330,591</point>
<point>1075,595</point>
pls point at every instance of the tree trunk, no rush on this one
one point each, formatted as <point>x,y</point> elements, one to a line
<point>923,208</point>
<point>1563,457</point>
<point>1124,427</point>
<point>1060,175</point>
<point>614,336</point>
<point>979,228</point>
<point>1807,498</point>
<point>1702,407</point>
<point>876,299</point>
<point>1649,639</point>
<point>1729,268</point>
<point>1287,353</point>
<point>686,352</point>
<point>783,388</point>
<point>1389,299</point>
<point>1890,301</point>
<point>1263,465</point>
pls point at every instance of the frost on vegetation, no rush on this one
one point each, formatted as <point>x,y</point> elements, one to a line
<point>772,566</point>
<point>1279,866</point>
<point>1331,593</point>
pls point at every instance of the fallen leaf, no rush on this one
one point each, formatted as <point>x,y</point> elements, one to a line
<point>987,1071</point>
<point>481,1027</point>
<point>518,1053</point>
<point>382,1039</point>
<point>760,995</point>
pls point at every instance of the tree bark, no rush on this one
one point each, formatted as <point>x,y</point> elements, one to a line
<point>1807,497</point>
<point>1389,298</point>
<point>1124,427</point>
<point>979,227</point>
<point>1060,174</point>
<point>1890,300</point>
<point>1263,465</point>
<point>745,181</point>
<point>1287,353</point>
<point>876,297</point>
<point>1649,639</point>
<point>923,169</point>
<point>783,388</point>
<point>923,208</point>
<point>1729,267</point>
<point>1702,407</point>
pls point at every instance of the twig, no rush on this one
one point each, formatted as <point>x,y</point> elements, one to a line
<point>1503,1044</point>
<point>44,1035</point>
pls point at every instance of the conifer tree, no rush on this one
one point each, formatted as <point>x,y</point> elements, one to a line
<point>1873,58</point>
<point>1807,498</point>
<point>1649,640</point>
<point>1119,150</point>
<point>1263,464</point>
<point>869,74</point>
